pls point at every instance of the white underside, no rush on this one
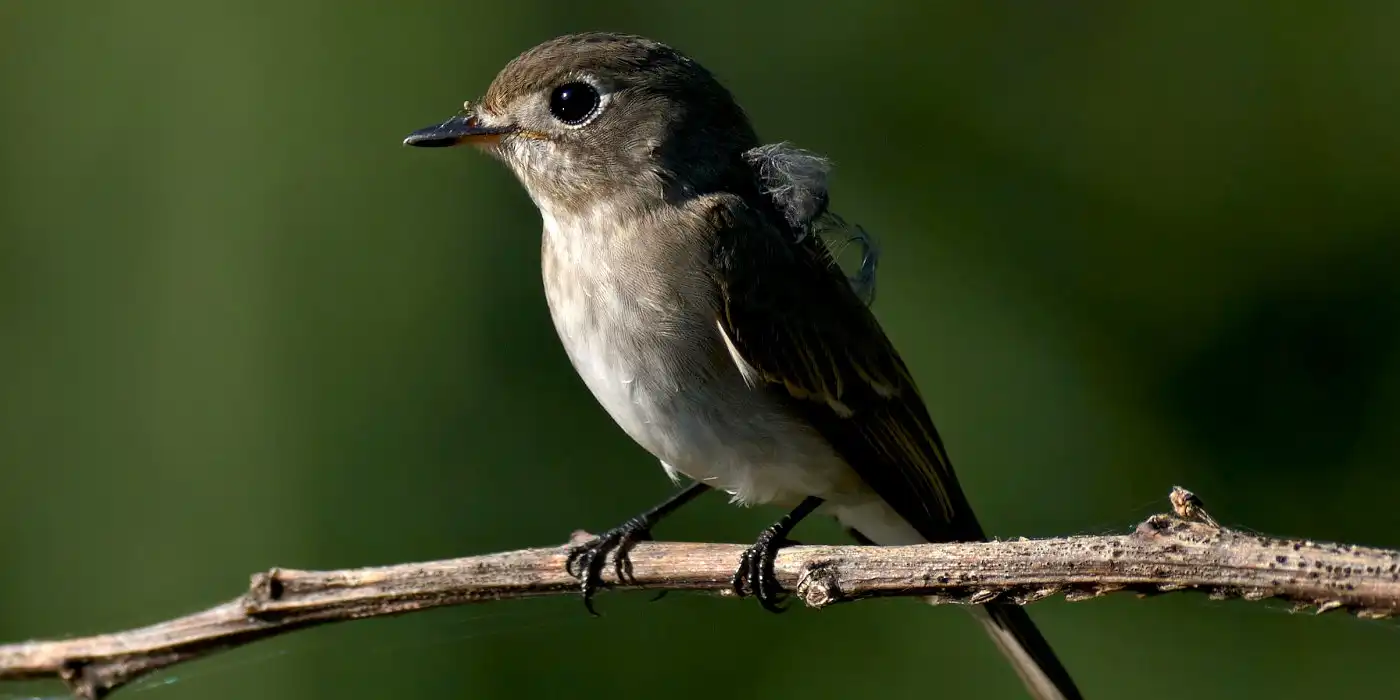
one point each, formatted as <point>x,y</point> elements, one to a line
<point>681,391</point>
<point>678,390</point>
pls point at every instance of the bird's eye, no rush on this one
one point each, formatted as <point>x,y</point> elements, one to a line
<point>573,103</point>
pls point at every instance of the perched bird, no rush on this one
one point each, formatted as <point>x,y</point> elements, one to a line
<point>685,279</point>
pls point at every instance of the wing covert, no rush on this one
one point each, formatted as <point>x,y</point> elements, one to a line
<point>789,312</point>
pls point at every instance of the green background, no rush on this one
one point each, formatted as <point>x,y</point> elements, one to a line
<point>1126,246</point>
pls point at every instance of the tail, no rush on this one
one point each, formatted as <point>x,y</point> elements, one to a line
<point>1019,639</point>
<point>1009,626</point>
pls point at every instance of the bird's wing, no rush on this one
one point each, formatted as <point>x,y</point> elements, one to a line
<point>797,328</point>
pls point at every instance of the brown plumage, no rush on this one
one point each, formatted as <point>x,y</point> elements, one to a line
<point>711,327</point>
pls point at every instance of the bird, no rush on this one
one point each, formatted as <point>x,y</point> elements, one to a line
<point>687,283</point>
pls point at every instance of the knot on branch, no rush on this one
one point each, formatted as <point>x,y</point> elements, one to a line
<point>264,587</point>
<point>819,584</point>
<point>1183,550</point>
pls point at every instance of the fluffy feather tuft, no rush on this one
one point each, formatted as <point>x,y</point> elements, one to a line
<point>796,180</point>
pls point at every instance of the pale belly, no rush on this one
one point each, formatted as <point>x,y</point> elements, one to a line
<point>724,434</point>
<point>650,352</point>
<point>677,394</point>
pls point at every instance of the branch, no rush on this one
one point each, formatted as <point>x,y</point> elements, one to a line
<point>1185,550</point>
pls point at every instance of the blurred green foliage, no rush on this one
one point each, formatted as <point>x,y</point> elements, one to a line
<point>1127,245</point>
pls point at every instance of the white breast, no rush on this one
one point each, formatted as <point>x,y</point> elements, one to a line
<point>605,317</point>
<point>647,346</point>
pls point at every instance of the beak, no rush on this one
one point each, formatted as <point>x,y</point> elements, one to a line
<point>463,128</point>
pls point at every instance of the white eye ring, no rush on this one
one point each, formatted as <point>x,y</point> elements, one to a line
<point>576,102</point>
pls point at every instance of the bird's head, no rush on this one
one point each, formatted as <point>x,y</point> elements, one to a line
<point>585,117</point>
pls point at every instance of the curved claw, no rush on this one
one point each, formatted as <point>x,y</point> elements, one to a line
<point>587,560</point>
<point>755,573</point>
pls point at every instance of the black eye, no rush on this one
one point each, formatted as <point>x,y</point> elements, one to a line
<point>572,103</point>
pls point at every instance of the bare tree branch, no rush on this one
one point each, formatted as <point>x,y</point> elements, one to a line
<point>1185,550</point>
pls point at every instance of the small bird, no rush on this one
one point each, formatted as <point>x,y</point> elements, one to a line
<point>687,282</point>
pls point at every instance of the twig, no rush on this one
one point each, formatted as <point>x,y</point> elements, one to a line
<point>1182,551</point>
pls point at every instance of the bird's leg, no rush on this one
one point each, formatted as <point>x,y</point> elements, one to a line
<point>586,561</point>
<point>859,538</point>
<point>755,574</point>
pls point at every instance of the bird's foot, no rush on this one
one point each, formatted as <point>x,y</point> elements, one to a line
<point>586,561</point>
<point>755,573</point>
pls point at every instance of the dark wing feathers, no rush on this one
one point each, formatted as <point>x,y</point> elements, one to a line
<point>791,314</point>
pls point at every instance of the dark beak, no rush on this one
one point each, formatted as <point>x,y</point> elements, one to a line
<point>463,128</point>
